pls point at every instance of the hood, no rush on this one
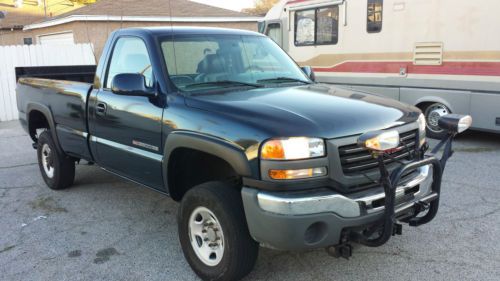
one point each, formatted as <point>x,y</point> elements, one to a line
<point>312,110</point>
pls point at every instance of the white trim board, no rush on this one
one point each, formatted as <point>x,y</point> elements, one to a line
<point>74,18</point>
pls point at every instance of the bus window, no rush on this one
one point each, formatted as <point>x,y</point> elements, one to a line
<point>274,32</point>
<point>374,18</point>
<point>317,26</point>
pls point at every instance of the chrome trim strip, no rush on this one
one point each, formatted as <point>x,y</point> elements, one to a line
<point>129,149</point>
<point>303,203</point>
<point>72,131</point>
<point>298,205</point>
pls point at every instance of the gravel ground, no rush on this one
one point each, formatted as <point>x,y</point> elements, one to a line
<point>105,228</point>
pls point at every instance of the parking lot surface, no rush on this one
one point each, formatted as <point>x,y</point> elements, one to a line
<point>106,228</point>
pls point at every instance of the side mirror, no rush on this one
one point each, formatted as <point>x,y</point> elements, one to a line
<point>131,84</point>
<point>455,123</point>
<point>309,72</point>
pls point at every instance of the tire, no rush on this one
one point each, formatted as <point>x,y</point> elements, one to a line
<point>58,170</point>
<point>221,204</point>
<point>432,113</point>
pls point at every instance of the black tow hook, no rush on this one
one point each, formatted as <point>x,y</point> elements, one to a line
<point>340,251</point>
<point>420,206</point>
<point>397,229</point>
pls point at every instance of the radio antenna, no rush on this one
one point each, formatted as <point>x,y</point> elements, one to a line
<point>88,39</point>
<point>121,14</point>
<point>172,34</point>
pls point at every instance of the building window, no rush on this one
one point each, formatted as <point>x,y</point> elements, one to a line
<point>317,26</point>
<point>374,18</point>
<point>28,41</point>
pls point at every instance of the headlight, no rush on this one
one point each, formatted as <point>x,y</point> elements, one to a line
<point>292,148</point>
<point>421,128</point>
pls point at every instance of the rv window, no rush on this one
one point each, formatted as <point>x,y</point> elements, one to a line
<point>327,20</point>
<point>317,26</point>
<point>304,27</point>
<point>274,32</point>
<point>374,19</point>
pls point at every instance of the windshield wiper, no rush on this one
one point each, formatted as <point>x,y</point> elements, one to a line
<point>284,80</point>
<point>224,83</point>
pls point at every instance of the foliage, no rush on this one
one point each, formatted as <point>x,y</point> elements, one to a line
<point>261,7</point>
<point>84,2</point>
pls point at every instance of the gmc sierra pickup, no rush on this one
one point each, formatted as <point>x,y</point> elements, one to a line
<point>255,151</point>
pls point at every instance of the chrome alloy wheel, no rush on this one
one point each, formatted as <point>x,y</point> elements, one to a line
<point>47,161</point>
<point>433,113</point>
<point>207,238</point>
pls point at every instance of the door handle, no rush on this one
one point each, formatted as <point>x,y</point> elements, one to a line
<point>101,108</point>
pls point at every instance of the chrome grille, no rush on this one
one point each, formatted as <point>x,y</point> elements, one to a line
<point>356,160</point>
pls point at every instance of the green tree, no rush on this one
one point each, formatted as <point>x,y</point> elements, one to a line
<point>261,7</point>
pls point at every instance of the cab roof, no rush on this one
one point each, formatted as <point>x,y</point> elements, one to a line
<point>173,30</point>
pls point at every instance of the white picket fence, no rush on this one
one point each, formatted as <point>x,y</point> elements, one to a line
<point>34,55</point>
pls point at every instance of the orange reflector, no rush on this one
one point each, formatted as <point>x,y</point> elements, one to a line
<point>273,149</point>
<point>296,174</point>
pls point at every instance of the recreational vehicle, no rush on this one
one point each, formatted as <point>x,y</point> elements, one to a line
<point>441,55</point>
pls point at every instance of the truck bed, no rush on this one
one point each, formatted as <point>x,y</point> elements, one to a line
<point>70,100</point>
<point>77,73</point>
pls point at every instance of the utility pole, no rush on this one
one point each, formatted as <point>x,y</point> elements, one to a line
<point>45,7</point>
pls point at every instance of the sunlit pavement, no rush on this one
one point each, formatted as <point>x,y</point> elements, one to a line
<point>105,228</point>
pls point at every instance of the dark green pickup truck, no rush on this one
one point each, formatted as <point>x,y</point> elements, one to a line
<point>257,153</point>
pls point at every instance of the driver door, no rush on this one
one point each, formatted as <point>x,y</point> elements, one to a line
<point>127,129</point>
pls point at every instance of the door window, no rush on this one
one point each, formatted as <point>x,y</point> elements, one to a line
<point>130,55</point>
<point>274,32</point>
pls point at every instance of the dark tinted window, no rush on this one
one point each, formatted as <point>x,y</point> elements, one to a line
<point>374,19</point>
<point>317,26</point>
<point>28,41</point>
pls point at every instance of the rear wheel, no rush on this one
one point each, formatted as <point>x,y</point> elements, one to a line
<point>213,232</point>
<point>432,114</point>
<point>58,170</point>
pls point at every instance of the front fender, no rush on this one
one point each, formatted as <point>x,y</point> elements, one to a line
<point>231,153</point>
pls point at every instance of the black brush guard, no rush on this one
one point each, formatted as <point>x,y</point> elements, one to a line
<point>386,226</point>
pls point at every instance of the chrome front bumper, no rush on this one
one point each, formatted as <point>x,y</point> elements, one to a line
<point>347,206</point>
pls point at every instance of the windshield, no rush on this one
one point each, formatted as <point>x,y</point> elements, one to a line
<point>207,62</point>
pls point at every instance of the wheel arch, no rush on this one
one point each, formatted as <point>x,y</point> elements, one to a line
<point>33,113</point>
<point>217,148</point>
<point>423,101</point>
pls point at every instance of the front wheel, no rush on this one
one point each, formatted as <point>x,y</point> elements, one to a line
<point>432,114</point>
<point>213,232</point>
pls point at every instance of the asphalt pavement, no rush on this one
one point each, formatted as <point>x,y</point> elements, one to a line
<point>105,228</point>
